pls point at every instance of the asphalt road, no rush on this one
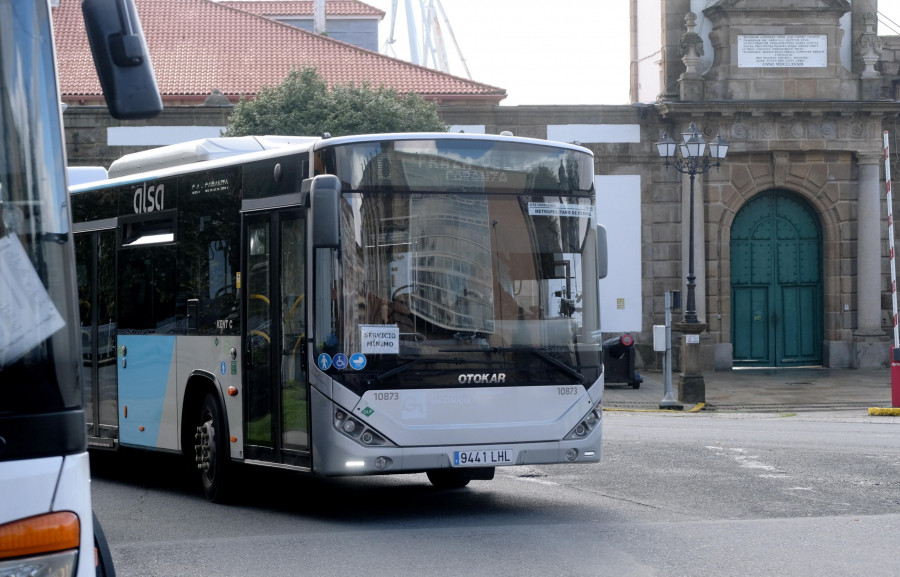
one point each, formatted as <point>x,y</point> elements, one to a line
<point>675,494</point>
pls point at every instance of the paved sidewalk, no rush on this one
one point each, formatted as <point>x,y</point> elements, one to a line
<point>766,390</point>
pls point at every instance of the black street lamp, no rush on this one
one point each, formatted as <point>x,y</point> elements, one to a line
<point>692,161</point>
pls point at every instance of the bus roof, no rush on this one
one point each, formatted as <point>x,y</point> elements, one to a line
<point>209,149</point>
<point>503,136</point>
<point>199,151</point>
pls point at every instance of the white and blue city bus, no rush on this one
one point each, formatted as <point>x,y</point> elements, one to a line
<point>379,304</point>
<point>46,521</point>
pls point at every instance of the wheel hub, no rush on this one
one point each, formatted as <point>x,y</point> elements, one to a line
<point>206,445</point>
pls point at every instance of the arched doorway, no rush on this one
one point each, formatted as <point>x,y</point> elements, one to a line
<point>776,282</point>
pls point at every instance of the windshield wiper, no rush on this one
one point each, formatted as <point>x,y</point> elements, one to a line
<point>401,368</point>
<point>561,366</point>
<point>396,370</point>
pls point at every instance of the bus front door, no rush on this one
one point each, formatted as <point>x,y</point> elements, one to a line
<point>274,334</point>
<point>96,265</point>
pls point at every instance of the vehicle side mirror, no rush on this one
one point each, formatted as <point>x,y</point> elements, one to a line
<point>602,252</point>
<point>325,196</point>
<point>122,59</point>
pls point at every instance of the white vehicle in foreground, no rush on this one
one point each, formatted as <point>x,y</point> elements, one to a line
<point>46,521</point>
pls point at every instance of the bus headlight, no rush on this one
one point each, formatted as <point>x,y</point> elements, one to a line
<point>587,424</point>
<point>62,563</point>
<point>358,431</point>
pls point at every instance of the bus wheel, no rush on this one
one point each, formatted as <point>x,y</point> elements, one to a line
<point>457,478</point>
<point>102,556</point>
<point>212,450</point>
<point>448,478</point>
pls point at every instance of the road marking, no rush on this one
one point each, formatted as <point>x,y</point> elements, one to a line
<point>751,462</point>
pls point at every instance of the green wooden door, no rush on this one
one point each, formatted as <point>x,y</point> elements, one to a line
<point>776,283</point>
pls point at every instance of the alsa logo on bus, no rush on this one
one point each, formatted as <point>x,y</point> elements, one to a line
<point>149,198</point>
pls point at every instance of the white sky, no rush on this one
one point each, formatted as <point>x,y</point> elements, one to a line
<point>890,14</point>
<point>540,51</point>
<point>543,51</point>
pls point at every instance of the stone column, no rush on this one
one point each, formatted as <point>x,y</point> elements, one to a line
<point>691,386</point>
<point>868,337</point>
<point>673,12</point>
<point>868,247</point>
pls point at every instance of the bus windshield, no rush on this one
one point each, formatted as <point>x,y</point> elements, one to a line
<point>494,283</point>
<point>38,369</point>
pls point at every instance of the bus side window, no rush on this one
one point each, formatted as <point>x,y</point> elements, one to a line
<point>147,287</point>
<point>208,252</point>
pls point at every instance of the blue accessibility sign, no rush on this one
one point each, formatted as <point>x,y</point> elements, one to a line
<point>341,361</point>
<point>223,368</point>
<point>324,361</point>
<point>358,361</point>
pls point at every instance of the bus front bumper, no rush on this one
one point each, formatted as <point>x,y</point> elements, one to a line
<point>344,456</point>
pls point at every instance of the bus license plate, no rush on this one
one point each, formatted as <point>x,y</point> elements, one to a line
<point>490,458</point>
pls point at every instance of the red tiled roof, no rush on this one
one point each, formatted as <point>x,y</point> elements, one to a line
<point>305,8</point>
<point>197,46</point>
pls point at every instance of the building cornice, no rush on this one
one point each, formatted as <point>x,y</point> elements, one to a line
<point>886,108</point>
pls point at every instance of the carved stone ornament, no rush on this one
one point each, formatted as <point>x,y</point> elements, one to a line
<point>690,40</point>
<point>691,46</point>
<point>870,47</point>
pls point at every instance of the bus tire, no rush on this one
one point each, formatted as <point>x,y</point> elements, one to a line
<point>102,556</point>
<point>458,478</point>
<point>211,448</point>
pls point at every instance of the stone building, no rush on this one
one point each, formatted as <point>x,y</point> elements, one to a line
<point>790,232</point>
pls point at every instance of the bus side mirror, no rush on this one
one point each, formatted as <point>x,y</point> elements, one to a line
<point>122,59</point>
<point>325,196</point>
<point>602,252</point>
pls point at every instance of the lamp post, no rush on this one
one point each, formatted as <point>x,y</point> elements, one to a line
<point>692,161</point>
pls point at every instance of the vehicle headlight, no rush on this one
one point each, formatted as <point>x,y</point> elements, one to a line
<point>40,545</point>
<point>587,424</point>
<point>356,430</point>
<point>62,564</point>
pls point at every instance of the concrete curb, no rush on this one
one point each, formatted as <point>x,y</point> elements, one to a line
<point>746,408</point>
<point>876,412</point>
<point>695,409</point>
<point>624,410</point>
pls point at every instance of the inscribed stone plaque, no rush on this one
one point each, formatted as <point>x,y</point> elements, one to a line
<point>782,51</point>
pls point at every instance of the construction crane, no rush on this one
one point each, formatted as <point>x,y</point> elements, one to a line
<point>432,52</point>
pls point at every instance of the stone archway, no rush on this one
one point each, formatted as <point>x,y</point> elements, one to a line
<point>777,282</point>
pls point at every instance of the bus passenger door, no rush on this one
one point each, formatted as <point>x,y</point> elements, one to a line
<point>274,334</point>
<point>96,269</point>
